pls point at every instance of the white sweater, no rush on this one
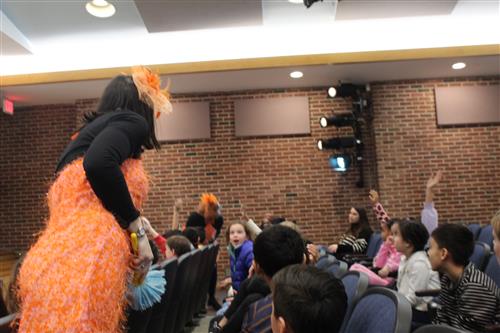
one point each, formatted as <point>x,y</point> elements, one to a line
<point>415,274</point>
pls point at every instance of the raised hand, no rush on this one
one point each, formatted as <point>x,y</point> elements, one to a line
<point>178,204</point>
<point>374,197</point>
<point>434,179</point>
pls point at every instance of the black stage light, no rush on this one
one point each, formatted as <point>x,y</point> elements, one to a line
<point>344,90</point>
<point>338,120</point>
<point>338,143</point>
<point>340,162</point>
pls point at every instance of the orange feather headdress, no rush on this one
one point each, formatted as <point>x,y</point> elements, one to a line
<point>209,199</point>
<point>149,87</point>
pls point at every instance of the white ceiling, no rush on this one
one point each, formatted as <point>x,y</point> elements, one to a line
<point>64,37</point>
<point>314,76</point>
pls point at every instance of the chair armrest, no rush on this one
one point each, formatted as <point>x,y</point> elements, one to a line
<point>429,292</point>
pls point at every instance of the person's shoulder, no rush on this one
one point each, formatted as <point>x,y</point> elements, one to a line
<point>195,219</point>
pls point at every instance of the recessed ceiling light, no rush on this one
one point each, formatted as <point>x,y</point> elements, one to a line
<point>100,8</point>
<point>458,65</point>
<point>296,1</point>
<point>296,75</point>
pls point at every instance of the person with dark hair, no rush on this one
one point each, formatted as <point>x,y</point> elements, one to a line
<point>495,223</point>
<point>209,218</point>
<point>192,234</point>
<point>307,299</point>
<point>170,233</point>
<point>356,238</point>
<point>74,278</point>
<point>469,299</point>
<point>415,272</point>
<point>177,246</point>
<point>387,259</point>
<point>274,248</point>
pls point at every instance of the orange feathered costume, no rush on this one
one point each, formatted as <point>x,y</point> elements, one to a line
<point>86,253</point>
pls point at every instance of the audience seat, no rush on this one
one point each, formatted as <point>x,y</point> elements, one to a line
<point>475,228</point>
<point>480,255</point>
<point>493,270</point>
<point>380,310</point>
<point>374,245</point>
<point>180,282</point>
<point>355,284</point>
<point>438,329</point>
<point>338,268</point>
<point>186,297</point>
<point>325,261</point>
<point>160,310</point>
<point>486,235</point>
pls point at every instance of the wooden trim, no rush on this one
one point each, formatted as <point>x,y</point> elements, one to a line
<point>256,63</point>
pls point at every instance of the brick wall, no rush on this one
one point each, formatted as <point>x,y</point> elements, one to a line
<point>284,175</point>
<point>410,146</point>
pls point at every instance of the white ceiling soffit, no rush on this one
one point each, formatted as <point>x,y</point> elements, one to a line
<point>275,78</point>
<point>175,15</point>
<point>12,40</point>
<point>370,9</point>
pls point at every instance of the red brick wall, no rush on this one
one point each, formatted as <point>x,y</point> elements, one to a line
<point>283,175</point>
<point>30,144</point>
<point>410,146</point>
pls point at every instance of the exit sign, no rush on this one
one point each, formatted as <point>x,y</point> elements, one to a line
<point>8,106</point>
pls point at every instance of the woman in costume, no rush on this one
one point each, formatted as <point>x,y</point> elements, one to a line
<point>74,277</point>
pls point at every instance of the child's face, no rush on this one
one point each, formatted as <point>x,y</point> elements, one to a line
<point>399,243</point>
<point>353,216</point>
<point>436,255</point>
<point>237,235</point>
<point>169,253</point>
<point>496,245</point>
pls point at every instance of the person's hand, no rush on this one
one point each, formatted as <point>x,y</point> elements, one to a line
<point>178,204</point>
<point>434,179</point>
<point>150,231</point>
<point>225,283</point>
<point>374,197</point>
<point>313,253</point>
<point>384,272</point>
<point>333,248</point>
<point>141,262</point>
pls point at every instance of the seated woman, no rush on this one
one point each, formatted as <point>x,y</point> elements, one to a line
<point>355,240</point>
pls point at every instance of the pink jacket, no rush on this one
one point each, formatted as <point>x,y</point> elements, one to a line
<point>387,256</point>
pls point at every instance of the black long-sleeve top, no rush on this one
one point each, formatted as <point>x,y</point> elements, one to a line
<point>106,143</point>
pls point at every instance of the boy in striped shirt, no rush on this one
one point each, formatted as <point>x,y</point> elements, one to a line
<point>470,300</point>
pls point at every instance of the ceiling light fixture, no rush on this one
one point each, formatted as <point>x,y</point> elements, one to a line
<point>296,75</point>
<point>296,1</point>
<point>458,65</point>
<point>100,8</point>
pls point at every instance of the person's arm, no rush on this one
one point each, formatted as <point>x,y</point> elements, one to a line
<point>110,148</point>
<point>356,245</point>
<point>175,216</point>
<point>429,213</point>
<point>378,209</point>
<point>418,279</point>
<point>159,240</point>
<point>433,180</point>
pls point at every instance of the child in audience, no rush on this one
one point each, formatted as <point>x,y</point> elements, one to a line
<point>355,240</point>
<point>469,299</point>
<point>386,261</point>
<point>274,248</point>
<point>307,300</point>
<point>240,250</point>
<point>177,246</point>
<point>495,222</point>
<point>415,272</point>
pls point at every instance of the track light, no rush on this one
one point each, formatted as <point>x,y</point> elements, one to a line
<point>344,90</point>
<point>338,143</point>
<point>340,162</point>
<point>339,120</point>
<point>309,3</point>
